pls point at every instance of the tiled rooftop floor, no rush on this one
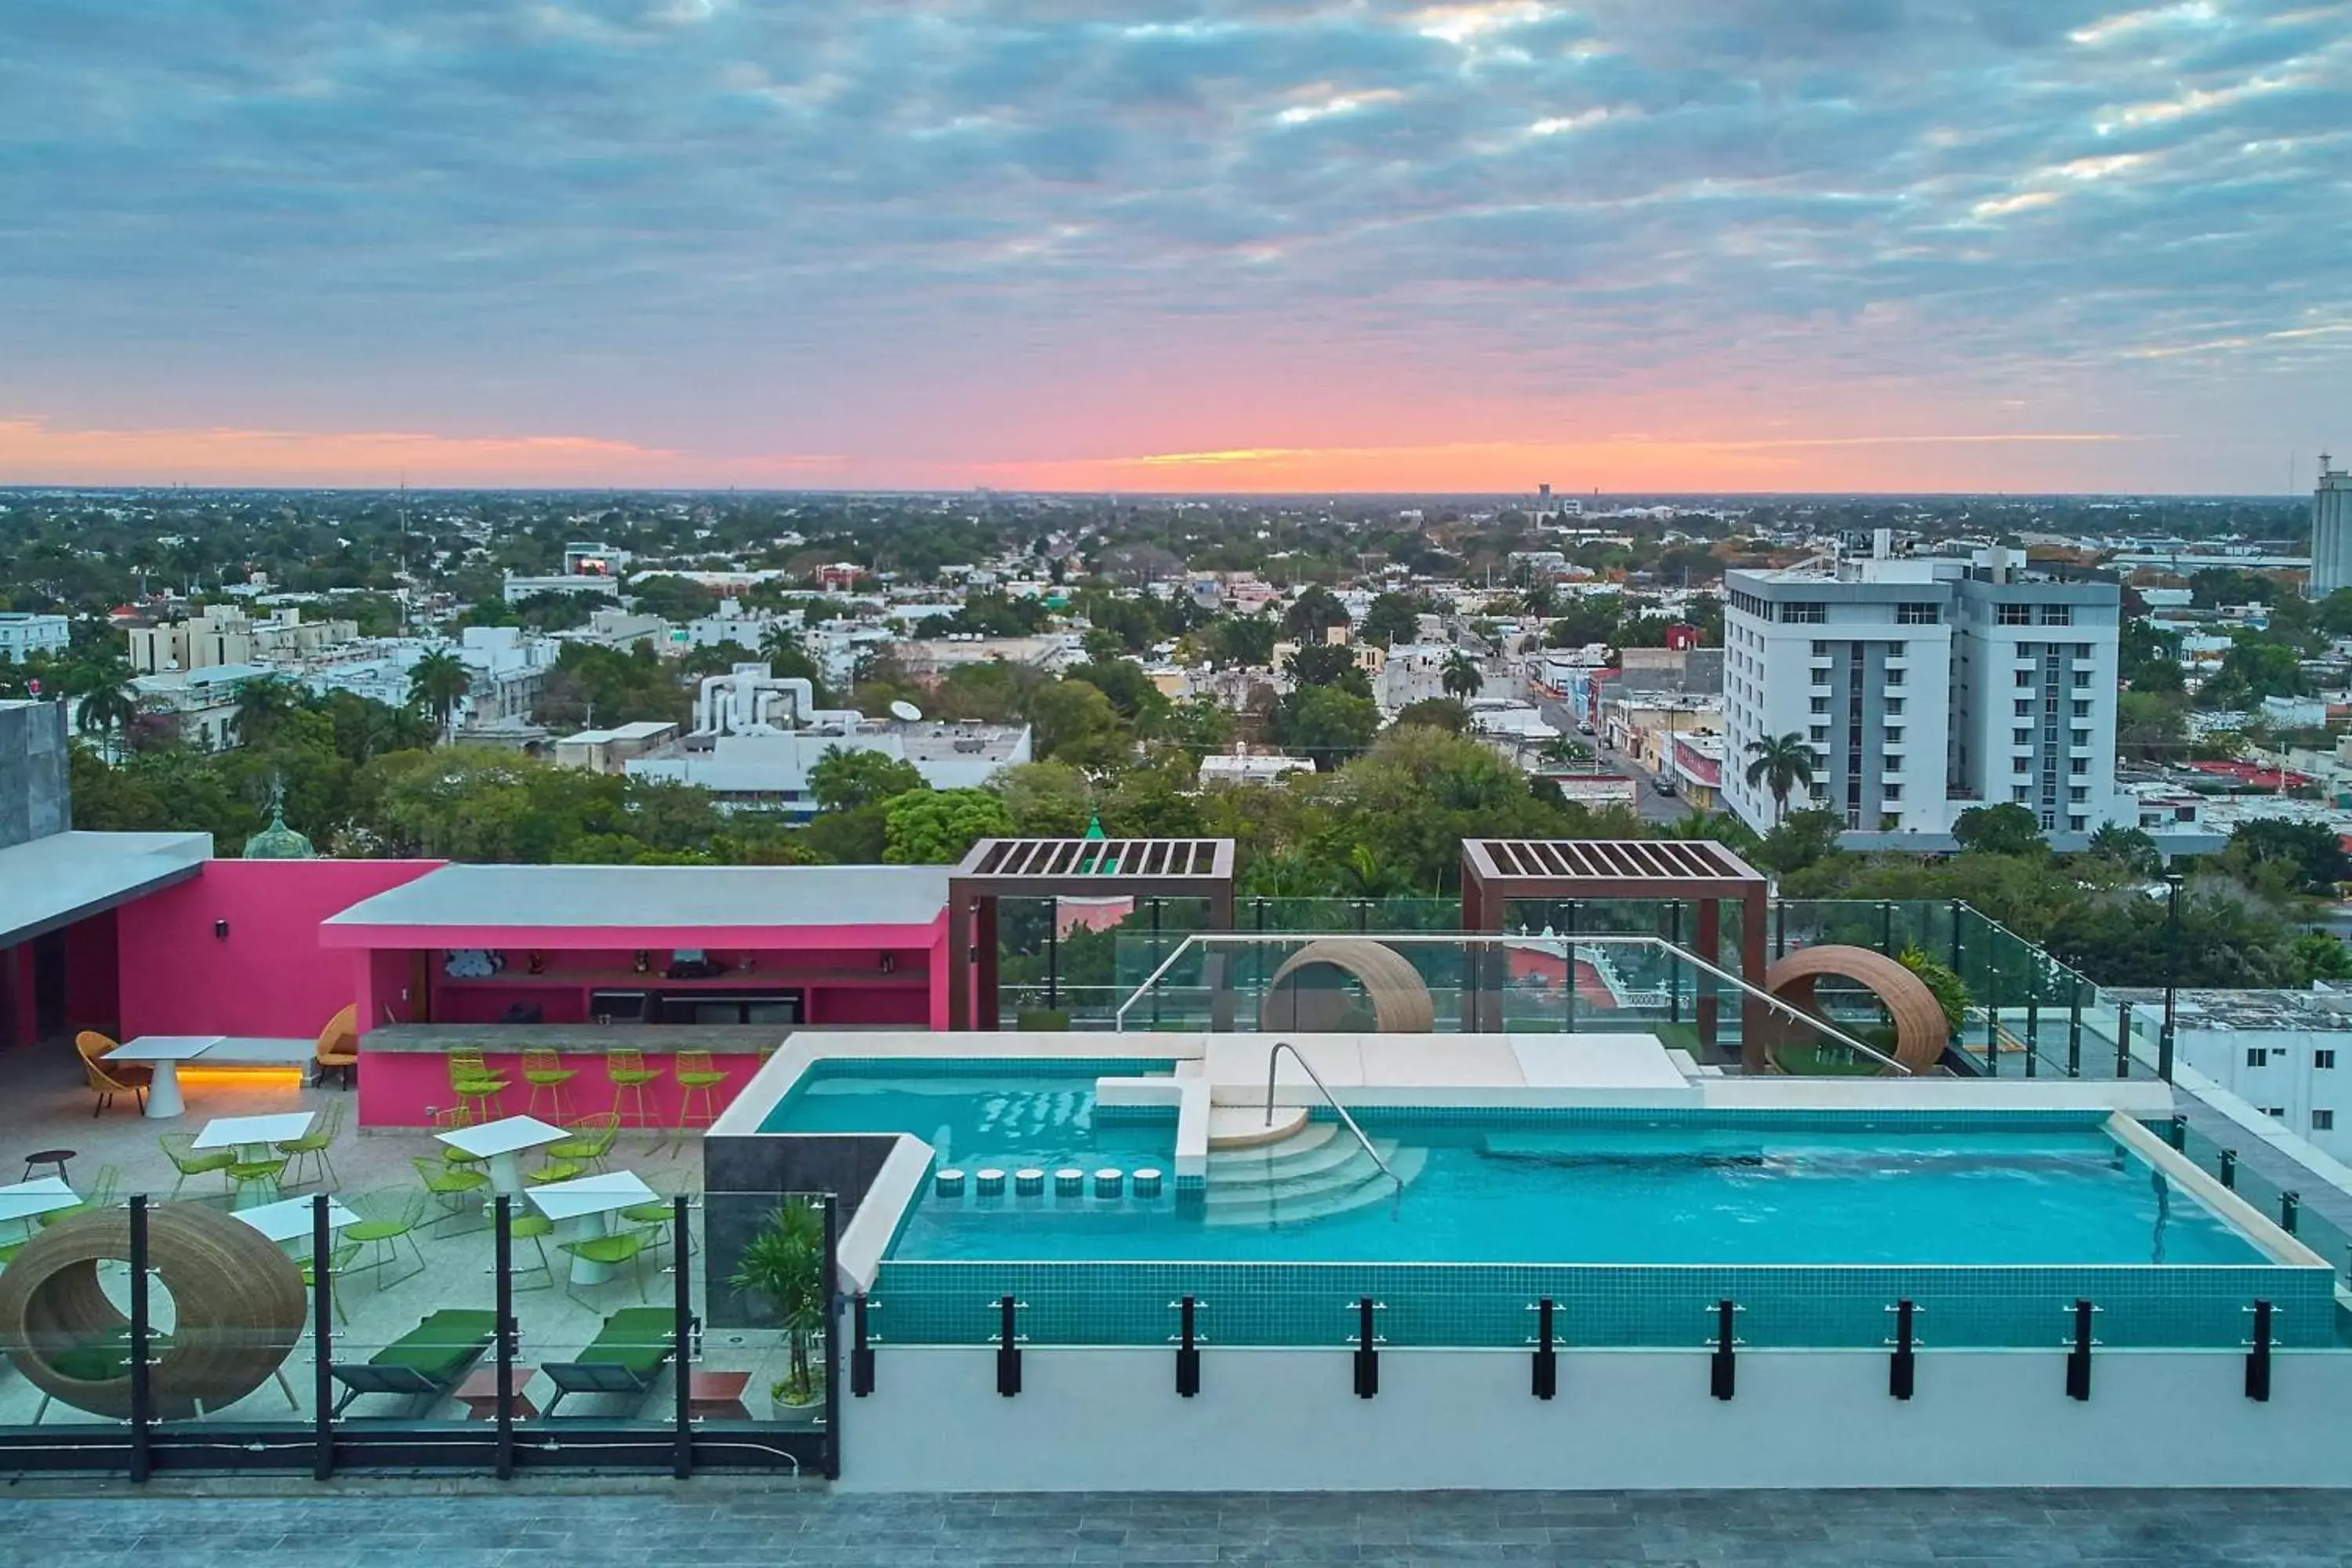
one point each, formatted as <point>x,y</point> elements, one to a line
<point>721,1523</point>
<point>44,1104</point>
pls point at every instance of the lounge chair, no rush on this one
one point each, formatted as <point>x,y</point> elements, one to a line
<point>626,1355</point>
<point>425,1364</point>
<point>338,1051</point>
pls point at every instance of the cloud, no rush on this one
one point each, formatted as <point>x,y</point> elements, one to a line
<point>925,236</point>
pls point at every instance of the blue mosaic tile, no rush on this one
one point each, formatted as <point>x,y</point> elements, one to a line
<point>1601,1305</point>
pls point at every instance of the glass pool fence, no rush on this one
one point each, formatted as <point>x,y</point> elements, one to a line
<point>406,1328</point>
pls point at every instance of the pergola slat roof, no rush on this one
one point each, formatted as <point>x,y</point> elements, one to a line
<point>1601,867</point>
<point>1017,868</point>
<point>1074,868</point>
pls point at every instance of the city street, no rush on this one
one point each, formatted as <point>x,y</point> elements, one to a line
<point>1652,805</point>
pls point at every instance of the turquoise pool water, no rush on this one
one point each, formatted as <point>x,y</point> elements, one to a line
<point>1009,1120</point>
<point>1676,1189</point>
<point>1611,1195</point>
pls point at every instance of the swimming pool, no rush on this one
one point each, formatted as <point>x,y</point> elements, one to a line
<point>1634,1223</point>
<point>1606,1194</point>
<point>1518,1188</point>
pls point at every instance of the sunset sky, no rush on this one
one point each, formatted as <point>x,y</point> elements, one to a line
<point>1269,244</point>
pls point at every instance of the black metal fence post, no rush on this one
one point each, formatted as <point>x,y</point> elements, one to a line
<point>1568,948</point>
<point>510,1332</point>
<point>2290,1205</point>
<point>2228,1168</point>
<point>1008,1347</point>
<point>681,1462</point>
<point>1992,1015</point>
<point>1887,927</point>
<point>142,1406</point>
<point>2078,1355</point>
<point>1366,1356</point>
<point>2033,1017</point>
<point>1901,1369</point>
<point>832,1335</point>
<point>2123,1039</point>
<point>1722,1370</point>
<point>1546,1360</point>
<point>2258,1355</point>
<point>1188,1350</point>
<point>323,1338</point>
<point>1674,963</point>
<point>861,1349</point>
<point>2075,1027</point>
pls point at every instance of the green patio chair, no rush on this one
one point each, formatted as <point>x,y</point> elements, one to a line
<point>189,1161</point>
<point>656,1214</point>
<point>554,1171</point>
<point>622,1247</point>
<point>455,1188</point>
<point>100,1195</point>
<point>590,1142</point>
<point>451,1120</point>
<point>258,1176</point>
<point>386,1219</point>
<point>534,1228</point>
<point>339,1271</point>
<point>312,1145</point>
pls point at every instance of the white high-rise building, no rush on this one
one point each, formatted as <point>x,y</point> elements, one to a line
<point>1924,686</point>
<point>2331,531</point>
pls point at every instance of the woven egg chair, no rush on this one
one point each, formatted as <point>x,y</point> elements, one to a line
<point>237,1307</point>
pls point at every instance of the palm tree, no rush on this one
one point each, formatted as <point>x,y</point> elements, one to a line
<point>1461,677</point>
<point>1538,600</point>
<point>437,683</point>
<point>1779,764</point>
<point>108,706</point>
<point>784,1263</point>
<point>262,704</point>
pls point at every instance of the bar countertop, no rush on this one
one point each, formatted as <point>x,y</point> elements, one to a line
<point>580,1039</point>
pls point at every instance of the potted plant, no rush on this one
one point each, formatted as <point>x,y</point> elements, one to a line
<point>784,1265</point>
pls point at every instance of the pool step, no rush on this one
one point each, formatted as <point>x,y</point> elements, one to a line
<point>1355,1184</point>
<point>1324,1147</point>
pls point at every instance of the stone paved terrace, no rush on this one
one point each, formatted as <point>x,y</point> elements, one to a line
<point>718,1523</point>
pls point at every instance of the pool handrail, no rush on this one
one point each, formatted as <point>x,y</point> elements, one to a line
<point>1567,946</point>
<point>1282,1046</point>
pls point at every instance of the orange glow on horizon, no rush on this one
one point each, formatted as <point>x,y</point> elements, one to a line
<point>35,451</point>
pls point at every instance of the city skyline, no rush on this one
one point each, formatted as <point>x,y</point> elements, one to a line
<point>1253,246</point>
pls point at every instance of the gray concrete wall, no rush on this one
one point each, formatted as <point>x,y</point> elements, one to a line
<point>36,798</point>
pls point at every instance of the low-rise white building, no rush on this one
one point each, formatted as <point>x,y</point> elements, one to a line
<point>24,634</point>
<point>2286,1053</point>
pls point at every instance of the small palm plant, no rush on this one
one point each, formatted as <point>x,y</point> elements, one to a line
<point>783,1264</point>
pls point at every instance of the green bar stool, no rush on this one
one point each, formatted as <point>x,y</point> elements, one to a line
<point>625,1070</point>
<point>544,1070</point>
<point>698,1083</point>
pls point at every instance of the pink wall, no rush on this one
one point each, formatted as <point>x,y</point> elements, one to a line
<point>92,998</point>
<point>270,975</point>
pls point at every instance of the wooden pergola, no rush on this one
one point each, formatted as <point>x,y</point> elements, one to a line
<point>1697,871</point>
<point>1077,867</point>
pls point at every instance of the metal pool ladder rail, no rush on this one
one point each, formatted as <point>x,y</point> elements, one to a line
<point>1282,1046</point>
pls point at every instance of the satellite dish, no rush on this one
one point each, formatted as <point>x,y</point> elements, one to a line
<point>905,711</point>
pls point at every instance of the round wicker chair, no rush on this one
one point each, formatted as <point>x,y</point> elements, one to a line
<point>1311,994</point>
<point>237,1305</point>
<point>1921,1031</point>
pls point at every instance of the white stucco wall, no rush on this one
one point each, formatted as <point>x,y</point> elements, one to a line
<point>1289,1420</point>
